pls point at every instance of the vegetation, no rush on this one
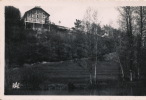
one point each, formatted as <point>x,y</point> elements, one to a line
<point>132,42</point>
<point>86,44</point>
<point>27,46</point>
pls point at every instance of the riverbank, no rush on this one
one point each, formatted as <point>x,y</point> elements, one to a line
<point>68,78</point>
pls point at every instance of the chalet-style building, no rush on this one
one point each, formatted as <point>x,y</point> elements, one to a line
<point>36,19</point>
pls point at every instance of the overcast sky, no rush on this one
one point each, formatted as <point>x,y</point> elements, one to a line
<point>68,12</point>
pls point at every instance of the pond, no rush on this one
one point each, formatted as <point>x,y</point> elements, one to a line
<point>111,91</point>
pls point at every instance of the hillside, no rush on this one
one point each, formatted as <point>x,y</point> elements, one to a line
<point>64,72</point>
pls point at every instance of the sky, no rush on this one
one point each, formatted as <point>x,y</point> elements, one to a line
<point>68,12</point>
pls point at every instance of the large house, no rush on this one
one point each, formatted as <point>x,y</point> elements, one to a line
<point>36,19</point>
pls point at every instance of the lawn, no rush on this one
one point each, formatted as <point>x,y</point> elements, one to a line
<point>52,78</point>
<point>64,72</point>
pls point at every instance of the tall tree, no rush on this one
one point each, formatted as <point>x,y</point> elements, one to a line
<point>92,28</point>
<point>126,14</point>
<point>140,21</point>
<point>12,32</point>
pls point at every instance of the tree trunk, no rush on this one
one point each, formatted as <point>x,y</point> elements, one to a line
<point>121,67</point>
<point>130,40</point>
<point>95,75</point>
<point>139,43</point>
<point>95,54</point>
<point>90,79</point>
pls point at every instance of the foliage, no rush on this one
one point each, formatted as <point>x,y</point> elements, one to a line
<point>131,41</point>
<point>29,46</point>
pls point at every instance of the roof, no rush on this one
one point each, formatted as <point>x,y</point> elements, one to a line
<point>39,8</point>
<point>62,27</point>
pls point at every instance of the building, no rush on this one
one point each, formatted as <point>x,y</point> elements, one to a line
<point>36,19</point>
<point>58,28</point>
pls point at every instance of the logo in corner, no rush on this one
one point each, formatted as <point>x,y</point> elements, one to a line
<point>16,85</point>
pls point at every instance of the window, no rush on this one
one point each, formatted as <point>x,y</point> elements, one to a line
<point>32,12</point>
<point>43,15</point>
<point>37,16</point>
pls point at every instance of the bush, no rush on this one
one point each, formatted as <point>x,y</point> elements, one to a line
<point>32,78</point>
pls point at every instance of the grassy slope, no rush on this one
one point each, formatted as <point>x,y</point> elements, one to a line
<point>64,72</point>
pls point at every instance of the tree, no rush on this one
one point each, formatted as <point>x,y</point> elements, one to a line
<point>140,29</point>
<point>132,23</point>
<point>13,27</point>
<point>78,25</point>
<point>126,14</point>
<point>92,29</point>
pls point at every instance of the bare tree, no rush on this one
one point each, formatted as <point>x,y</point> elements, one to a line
<point>140,23</point>
<point>126,14</point>
<point>91,24</point>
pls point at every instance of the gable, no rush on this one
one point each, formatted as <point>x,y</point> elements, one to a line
<point>36,15</point>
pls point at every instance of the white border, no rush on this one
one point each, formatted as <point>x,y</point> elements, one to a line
<point>62,2</point>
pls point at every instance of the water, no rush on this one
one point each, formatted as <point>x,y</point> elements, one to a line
<point>113,91</point>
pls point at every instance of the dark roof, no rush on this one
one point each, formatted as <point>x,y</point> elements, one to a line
<point>59,27</point>
<point>39,8</point>
<point>62,27</point>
